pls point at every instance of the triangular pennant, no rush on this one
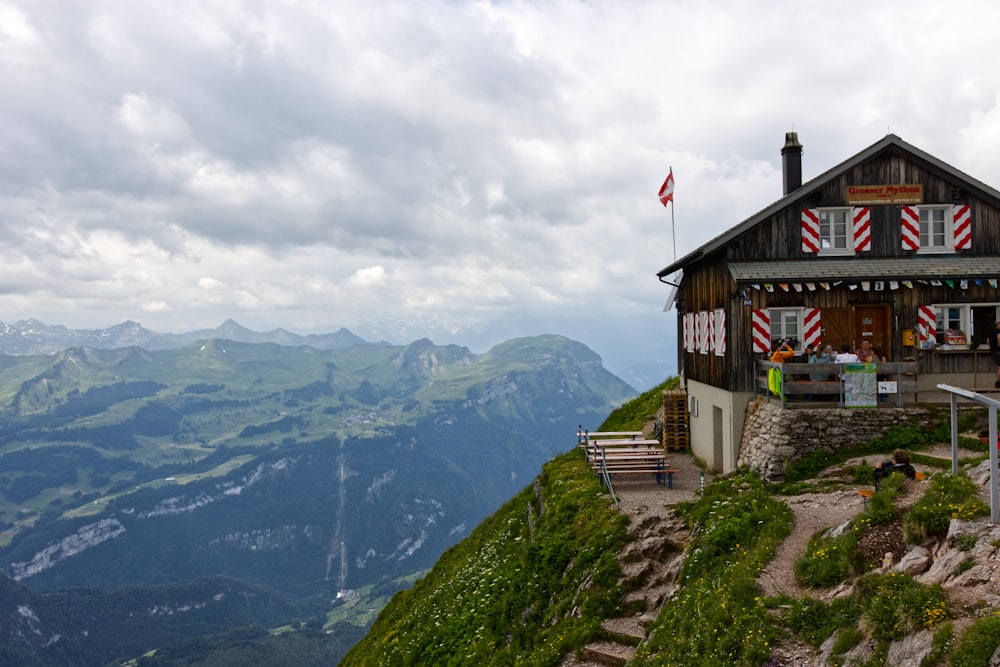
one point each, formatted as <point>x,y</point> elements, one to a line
<point>797,286</point>
<point>866,285</point>
<point>825,286</point>
<point>964,284</point>
<point>783,286</point>
<point>993,283</point>
<point>979,282</point>
<point>837,283</point>
<point>811,287</point>
<point>769,287</point>
<point>853,287</point>
<point>756,286</point>
<point>936,283</point>
<point>893,284</point>
<point>879,285</point>
<point>907,284</point>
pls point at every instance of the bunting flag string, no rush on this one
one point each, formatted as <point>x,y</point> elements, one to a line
<point>876,285</point>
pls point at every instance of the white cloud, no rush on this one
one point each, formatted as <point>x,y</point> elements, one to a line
<point>457,165</point>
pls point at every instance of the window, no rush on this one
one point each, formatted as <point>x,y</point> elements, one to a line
<point>836,231</point>
<point>974,321</point>
<point>935,229</point>
<point>952,321</point>
<point>786,323</point>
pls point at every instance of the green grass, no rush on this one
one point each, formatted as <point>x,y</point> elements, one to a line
<point>633,415</point>
<point>977,644</point>
<point>895,605</point>
<point>531,583</point>
<point>948,497</point>
<point>719,616</point>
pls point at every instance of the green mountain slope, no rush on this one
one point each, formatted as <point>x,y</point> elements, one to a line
<point>311,472</point>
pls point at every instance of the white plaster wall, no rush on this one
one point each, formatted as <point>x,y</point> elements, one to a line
<point>733,406</point>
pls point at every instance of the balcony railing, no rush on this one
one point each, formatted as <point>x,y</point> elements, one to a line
<point>841,387</point>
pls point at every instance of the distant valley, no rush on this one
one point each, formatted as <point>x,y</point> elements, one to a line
<point>325,474</point>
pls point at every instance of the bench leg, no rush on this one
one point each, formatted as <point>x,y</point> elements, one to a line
<point>670,480</point>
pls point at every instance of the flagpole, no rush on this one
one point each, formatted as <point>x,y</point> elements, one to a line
<point>673,228</point>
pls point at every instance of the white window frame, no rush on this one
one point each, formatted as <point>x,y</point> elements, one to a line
<point>943,318</point>
<point>782,321</point>
<point>948,245</point>
<point>964,317</point>
<point>825,240</point>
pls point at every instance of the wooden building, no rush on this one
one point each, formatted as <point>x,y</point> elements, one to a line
<point>892,244</point>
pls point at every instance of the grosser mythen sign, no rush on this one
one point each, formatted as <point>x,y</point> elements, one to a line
<point>885,194</point>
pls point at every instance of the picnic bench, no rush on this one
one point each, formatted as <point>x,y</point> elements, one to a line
<point>626,453</point>
<point>583,436</point>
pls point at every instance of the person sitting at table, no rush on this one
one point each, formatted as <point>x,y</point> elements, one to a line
<point>822,356</point>
<point>846,356</point>
<point>865,353</point>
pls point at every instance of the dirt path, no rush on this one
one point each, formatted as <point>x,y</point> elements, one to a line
<point>813,512</point>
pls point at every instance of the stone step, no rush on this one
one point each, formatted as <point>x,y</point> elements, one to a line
<point>608,653</point>
<point>628,630</point>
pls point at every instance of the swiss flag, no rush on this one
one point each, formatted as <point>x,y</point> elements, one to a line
<point>667,189</point>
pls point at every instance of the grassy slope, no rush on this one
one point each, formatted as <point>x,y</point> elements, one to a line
<point>510,594</point>
<point>531,583</point>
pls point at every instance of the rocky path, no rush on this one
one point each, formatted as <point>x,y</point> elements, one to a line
<point>650,561</point>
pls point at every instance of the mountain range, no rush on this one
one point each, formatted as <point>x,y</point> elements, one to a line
<point>34,337</point>
<point>319,476</point>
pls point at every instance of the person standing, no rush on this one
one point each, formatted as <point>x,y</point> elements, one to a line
<point>995,350</point>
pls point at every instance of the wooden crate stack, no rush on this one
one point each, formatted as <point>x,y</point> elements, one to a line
<point>676,429</point>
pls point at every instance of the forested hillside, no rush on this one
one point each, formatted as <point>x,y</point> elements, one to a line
<point>330,477</point>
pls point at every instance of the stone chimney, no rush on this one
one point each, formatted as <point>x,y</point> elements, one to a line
<point>791,163</point>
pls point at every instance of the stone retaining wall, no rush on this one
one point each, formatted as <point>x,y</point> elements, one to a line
<point>773,437</point>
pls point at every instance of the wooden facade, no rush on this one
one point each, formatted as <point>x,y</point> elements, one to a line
<point>761,264</point>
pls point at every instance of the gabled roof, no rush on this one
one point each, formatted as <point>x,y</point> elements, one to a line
<point>888,143</point>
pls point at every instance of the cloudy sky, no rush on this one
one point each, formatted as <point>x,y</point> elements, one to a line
<point>465,171</point>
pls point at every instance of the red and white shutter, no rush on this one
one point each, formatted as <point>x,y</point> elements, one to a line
<point>703,332</point>
<point>812,331</point>
<point>689,332</point>
<point>760,325</point>
<point>720,332</point>
<point>909,227</point>
<point>711,331</point>
<point>862,229</point>
<point>810,229</point>
<point>684,332</point>
<point>962,218</point>
<point>693,336</point>
<point>926,324</point>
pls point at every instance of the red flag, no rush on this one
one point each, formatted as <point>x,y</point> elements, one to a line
<point>667,189</point>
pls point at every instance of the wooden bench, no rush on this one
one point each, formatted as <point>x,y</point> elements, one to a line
<point>584,436</point>
<point>633,460</point>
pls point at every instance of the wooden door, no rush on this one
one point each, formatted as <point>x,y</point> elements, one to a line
<point>836,327</point>
<point>872,322</point>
